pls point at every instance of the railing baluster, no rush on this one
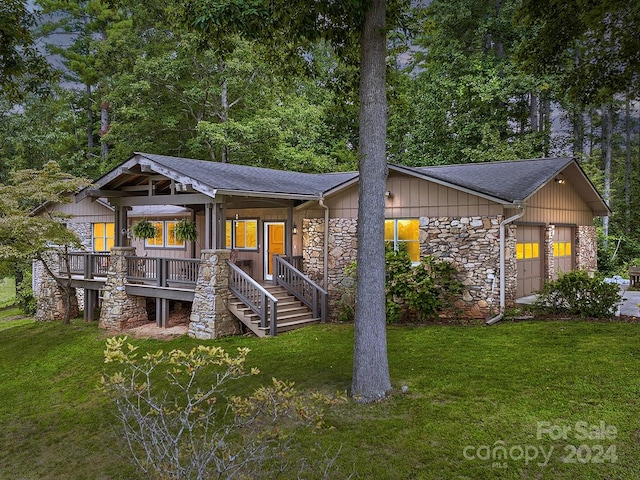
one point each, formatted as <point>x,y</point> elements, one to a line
<point>301,286</point>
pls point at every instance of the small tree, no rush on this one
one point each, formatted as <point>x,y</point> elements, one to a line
<point>178,422</point>
<point>30,227</point>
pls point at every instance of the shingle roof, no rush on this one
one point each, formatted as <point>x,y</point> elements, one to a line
<point>509,181</point>
<point>242,178</point>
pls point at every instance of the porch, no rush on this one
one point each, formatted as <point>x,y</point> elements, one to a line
<point>290,300</point>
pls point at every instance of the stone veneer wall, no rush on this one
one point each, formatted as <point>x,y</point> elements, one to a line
<point>51,298</point>
<point>210,317</point>
<point>472,244</point>
<point>120,310</point>
<point>587,248</point>
<point>84,231</point>
<point>343,244</point>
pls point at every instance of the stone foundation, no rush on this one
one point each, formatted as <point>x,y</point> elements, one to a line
<point>210,317</point>
<point>51,296</point>
<point>119,310</point>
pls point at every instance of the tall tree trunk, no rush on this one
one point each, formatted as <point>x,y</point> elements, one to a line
<point>628,165</point>
<point>578,132</point>
<point>104,128</point>
<point>607,142</point>
<point>371,380</point>
<point>545,124</point>
<point>90,144</point>
<point>533,112</point>
<point>224,116</point>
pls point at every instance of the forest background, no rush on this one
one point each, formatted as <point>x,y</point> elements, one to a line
<point>468,81</point>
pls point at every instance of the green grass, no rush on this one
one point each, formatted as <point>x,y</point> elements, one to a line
<point>468,387</point>
<point>7,292</point>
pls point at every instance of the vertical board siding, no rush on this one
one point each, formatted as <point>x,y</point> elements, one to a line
<point>558,204</point>
<point>413,197</point>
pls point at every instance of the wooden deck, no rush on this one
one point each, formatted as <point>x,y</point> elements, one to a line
<point>292,301</point>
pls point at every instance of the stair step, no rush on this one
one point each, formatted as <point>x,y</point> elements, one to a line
<point>284,318</point>
<point>292,313</point>
<point>283,327</point>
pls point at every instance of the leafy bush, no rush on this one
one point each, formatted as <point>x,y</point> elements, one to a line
<point>423,291</point>
<point>413,293</point>
<point>178,422</point>
<point>575,293</point>
<point>25,299</point>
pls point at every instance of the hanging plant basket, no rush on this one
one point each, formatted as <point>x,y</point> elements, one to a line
<point>144,229</point>
<point>186,230</point>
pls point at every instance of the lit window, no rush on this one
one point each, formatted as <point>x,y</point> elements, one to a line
<point>525,251</point>
<point>242,234</point>
<point>562,249</point>
<point>165,236</point>
<point>404,233</point>
<point>103,236</point>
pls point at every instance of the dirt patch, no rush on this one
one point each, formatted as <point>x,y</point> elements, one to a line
<point>178,325</point>
<point>151,330</point>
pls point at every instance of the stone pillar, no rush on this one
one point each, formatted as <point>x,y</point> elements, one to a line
<point>210,317</point>
<point>510,264</point>
<point>586,248</point>
<point>549,259</point>
<point>119,310</point>
<point>51,297</point>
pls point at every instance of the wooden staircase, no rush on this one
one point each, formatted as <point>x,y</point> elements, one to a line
<point>291,312</point>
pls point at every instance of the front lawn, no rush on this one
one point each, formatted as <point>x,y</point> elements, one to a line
<point>531,391</point>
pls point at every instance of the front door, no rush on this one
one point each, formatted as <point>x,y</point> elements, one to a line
<point>274,245</point>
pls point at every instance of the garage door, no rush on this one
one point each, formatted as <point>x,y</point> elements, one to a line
<point>529,254</point>
<point>563,250</point>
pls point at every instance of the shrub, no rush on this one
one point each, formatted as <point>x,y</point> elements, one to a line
<point>178,422</point>
<point>423,291</point>
<point>576,293</point>
<point>419,292</point>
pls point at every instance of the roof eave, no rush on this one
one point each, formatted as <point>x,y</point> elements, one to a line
<point>410,171</point>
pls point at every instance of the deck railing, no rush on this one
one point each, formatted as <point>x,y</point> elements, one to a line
<point>87,264</point>
<point>300,286</point>
<point>163,272</point>
<point>255,296</point>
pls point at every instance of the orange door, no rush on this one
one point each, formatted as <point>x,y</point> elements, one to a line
<point>274,242</point>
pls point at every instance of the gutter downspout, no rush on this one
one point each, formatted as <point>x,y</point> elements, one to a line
<point>325,262</point>
<point>498,317</point>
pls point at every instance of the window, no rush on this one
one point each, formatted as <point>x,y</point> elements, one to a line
<point>562,249</point>
<point>165,236</point>
<point>404,233</point>
<point>103,236</point>
<point>242,234</point>
<point>525,251</point>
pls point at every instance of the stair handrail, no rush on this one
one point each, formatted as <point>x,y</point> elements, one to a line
<point>301,287</point>
<point>254,296</point>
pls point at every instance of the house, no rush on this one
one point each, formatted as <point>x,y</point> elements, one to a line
<point>507,226</point>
